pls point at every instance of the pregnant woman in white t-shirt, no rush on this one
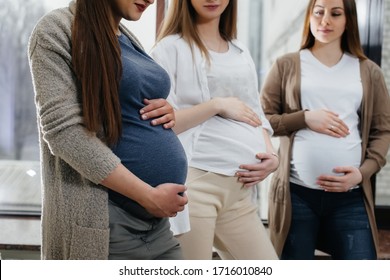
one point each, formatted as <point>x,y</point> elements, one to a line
<point>330,105</point>
<point>220,122</point>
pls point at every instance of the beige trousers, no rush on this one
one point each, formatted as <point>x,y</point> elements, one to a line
<point>223,215</point>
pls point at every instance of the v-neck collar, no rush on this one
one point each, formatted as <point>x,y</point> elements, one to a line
<point>323,66</point>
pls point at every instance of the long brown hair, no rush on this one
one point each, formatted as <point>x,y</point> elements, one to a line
<point>181,20</point>
<point>350,41</point>
<point>96,59</point>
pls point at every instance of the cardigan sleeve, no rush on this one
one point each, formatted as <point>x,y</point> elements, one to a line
<point>280,103</point>
<point>59,105</point>
<point>377,119</point>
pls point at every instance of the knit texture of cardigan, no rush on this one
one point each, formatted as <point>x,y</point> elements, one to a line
<point>75,223</point>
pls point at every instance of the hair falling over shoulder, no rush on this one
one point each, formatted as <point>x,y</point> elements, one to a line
<point>97,66</point>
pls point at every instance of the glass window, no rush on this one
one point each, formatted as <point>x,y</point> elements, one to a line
<point>19,152</point>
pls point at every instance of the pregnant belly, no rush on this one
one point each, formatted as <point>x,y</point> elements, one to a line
<point>223,145</point>
<point>309,162</point>
<point>156,159</point>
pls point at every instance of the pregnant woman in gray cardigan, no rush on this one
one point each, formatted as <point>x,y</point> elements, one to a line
<point>112,168</point>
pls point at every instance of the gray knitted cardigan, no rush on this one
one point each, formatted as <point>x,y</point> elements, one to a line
<point>73,161</point>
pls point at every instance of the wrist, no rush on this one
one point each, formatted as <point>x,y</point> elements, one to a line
<point>146,196</point>
<point>306,113</point>
<point>275,155</point>
<point>215,103</point>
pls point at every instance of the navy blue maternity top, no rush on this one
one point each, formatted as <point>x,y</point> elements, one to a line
<point>152,153</point>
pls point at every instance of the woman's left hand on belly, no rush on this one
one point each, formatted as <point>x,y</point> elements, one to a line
<point>349,177</point>
<point>326,122</point>
<point>165,200</point>
<point>257,172</point>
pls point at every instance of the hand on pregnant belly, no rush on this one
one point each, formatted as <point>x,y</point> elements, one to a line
<point>233,108</point>
<point>165,200</point>
<point>326,122</point>
<point>349,177</point>
<point>259,171</point>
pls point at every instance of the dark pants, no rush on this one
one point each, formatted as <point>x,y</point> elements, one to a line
<point>338,221</point>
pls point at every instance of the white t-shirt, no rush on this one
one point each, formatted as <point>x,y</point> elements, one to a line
<point>224,144</point>
<point>338,89</point>
<point>190,86</point>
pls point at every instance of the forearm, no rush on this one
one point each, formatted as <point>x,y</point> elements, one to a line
<point>287,123</point>
<point>195,115</point>
<point>125,182</point>
<point>160,201</point>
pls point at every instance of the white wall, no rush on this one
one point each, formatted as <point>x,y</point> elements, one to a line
<point>243,21</point>
<point>145,27</point>
<point>282,28</point>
